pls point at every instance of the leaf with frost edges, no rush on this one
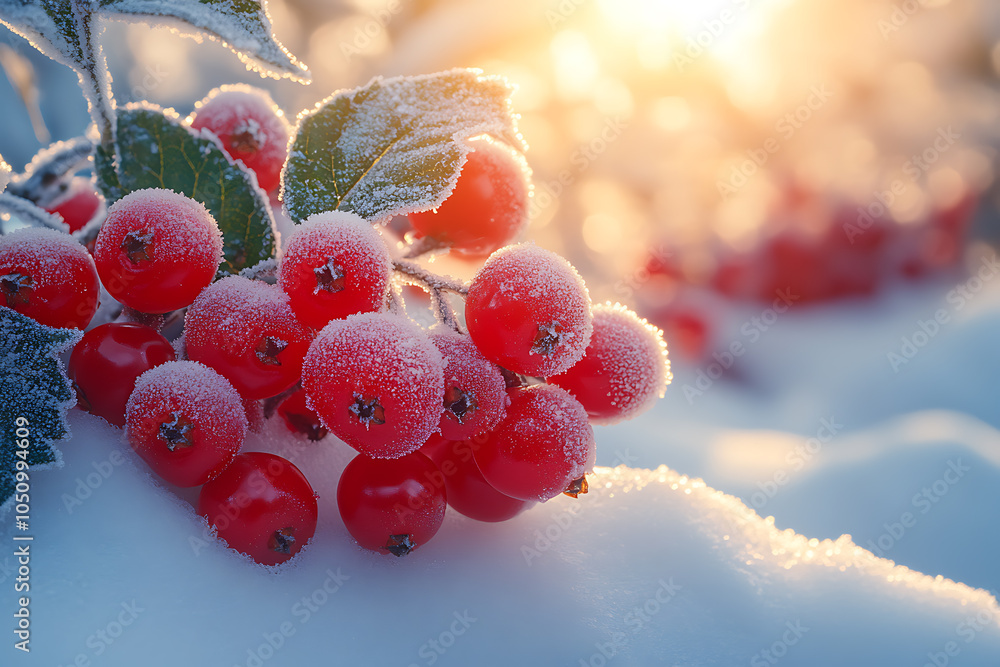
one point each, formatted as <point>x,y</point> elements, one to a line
<point>244,26</point>
<point>394,146</point>
<point>34,386</point>
<point>4,174</point>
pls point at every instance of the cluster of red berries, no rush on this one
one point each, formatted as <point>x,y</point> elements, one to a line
<point>813,249</point>
<point>490,420</point>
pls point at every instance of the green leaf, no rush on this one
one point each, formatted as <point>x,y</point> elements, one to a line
<point>394,146</point>
<point>242,25</point>
<point>33,388</point>
<point>156,151</point>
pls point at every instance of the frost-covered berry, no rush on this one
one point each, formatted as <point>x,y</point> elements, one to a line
<point>544,447</point>
<point>245,330</point>
<point>377,382</point>
<point>262,506</point>
<point>105,364</point>
<point>391,506</point>
<point>475,394</point>
<point>79,204</point>
<point>300,418</point>
<point>489,206</point>
<point>186,422</point>
<point>624,370</point>
<point>335,265</point>
<point>157,250</point>
<point>467,490</point>
<point>48,276</point>
<point>250,126</point>
<point>529,311</point>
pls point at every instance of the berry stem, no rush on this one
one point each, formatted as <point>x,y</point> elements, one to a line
<point>28,212</point>
<point>265,270</point>
<point>420,247</point>
<point>436,286</point>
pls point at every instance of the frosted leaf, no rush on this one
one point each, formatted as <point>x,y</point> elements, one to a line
<point>47,176</point>
<point>394,146</point>
<point>33,386</point>
<point>243,26</point>
<point>376,381</point>
<point>50,25</point>
<point>28,212</point>
<point>156,151</point>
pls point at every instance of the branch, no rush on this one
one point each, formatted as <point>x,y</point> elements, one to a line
<point>424,277</point>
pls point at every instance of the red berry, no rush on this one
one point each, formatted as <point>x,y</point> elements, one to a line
<point>543,448</point>
<point>300,418</point>
<point>250,126</point>
<point>104,366</point>
<point>475,393</point>
<point>262,506</point>
<point>467,490</point>
<point>246,331</point>
<point>48,276</point>
<point>79,204</point>
<point>624,370</point>
<point>335,265</point>
<point>489,206</point>
<point>529,311</point>
<point>157,250</point>
<point>391,506</point>
<point>186,422</point>
<point>377,383</point>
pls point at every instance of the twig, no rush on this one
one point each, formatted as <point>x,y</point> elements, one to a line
<point>422,276</point>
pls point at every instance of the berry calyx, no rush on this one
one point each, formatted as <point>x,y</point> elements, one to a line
<point>186,422</point>
<point>335,265</point>
<point>529,311</point>
<point>377,383</point>
<point>105,364</point>
<point>262,506</point>
<point>245,330</point>
<point>488,207</point>
<point>392,506</point>
<point>157,250</point>
<point>250,127</point>
<point>542,448</point>
<point>475,394</point>
<point>48,276</point>
<point>624,370</point>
